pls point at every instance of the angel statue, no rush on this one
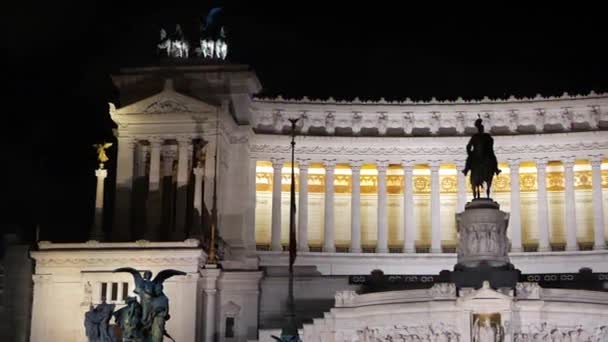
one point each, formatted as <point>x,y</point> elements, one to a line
<point>101,152</point>
<point>154,303</point>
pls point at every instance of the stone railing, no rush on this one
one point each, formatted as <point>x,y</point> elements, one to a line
<point>407,118</point>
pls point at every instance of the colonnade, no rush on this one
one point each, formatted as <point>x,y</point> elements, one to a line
<point>408,223</point>
<point>158,171</point>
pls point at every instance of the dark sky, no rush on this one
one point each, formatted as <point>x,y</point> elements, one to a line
<point>60,55</point>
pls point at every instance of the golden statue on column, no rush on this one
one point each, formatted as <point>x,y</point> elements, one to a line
<point>101,153</point>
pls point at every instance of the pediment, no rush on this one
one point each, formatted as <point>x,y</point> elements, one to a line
<point>485,292</point>
<point>167,101</point>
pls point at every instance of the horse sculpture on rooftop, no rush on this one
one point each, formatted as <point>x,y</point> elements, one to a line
<point>481,160</point>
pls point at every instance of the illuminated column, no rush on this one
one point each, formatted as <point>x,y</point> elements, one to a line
<point>598,209</point>
<point>181,197</point>
<point>303,206</point>
<point>435,208</point>
<point>250,225</point>
<point>154,202</point>
<point>382,244</point>
<point>461,198</point>
<point>355,207</point>
<point>515,216</point>
<point>409,234</point>
<point>543,214</point>
<point>199,173</point>
<point>97,231</point>
<point>121,229</point>
<point>277,166</point>
<point>569,204</point>
<point>329,244</point>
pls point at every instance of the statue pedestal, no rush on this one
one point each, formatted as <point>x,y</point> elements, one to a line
<point>483,246</point>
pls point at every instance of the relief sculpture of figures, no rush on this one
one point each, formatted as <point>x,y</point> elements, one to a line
<point>154,304</point>
<point>481,160</point>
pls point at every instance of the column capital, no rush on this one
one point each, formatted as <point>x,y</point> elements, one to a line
<point>434,165</point>
<point>277,163</point>
<point>541,162</point>
<point>330,164</point>
<point>101,173</point>
<point>155,140</point>
<point>408,165</point>
<point>460,163</point>
<point>303,163</point>
<point>128,142</point>
<point>199,171</point>
<point>184,140</point>
<point>596,160</point>
<point>355,165</point>
<point>514,163</point>
<point>382,165</point>
<point>568,161</point>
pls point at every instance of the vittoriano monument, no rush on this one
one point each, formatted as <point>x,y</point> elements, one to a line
<point>483,245</point>
<point>142,321</point>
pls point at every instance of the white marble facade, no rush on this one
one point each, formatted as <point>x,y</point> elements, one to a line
<point>439,314</point>
<point>157,138</point>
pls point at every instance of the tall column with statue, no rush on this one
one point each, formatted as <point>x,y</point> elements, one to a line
<point>101,174</point>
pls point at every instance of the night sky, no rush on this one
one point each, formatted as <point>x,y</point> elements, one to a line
<point>60,56</point>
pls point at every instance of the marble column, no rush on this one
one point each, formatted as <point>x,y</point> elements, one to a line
<point>598,205</point>
<point>197,223</point>
<point>435,208</point>
<point>543,212</point>
<point>303,206</point>
<point>515,215</point>
<point>277,166</point>
<point>329,244</point>
<point>409,233</point>
<point>569,204</point>
<point>121,229</point>
<point>461,197</point>
<point>355,207</point>
<point>181,198</point>
<point>382,243</point>
<point>97,231</point>
<point>250,225</point>
<point>153,207</point>
<point>209,276</point>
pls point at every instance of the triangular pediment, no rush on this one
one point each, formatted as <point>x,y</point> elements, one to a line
<point>167,101</point>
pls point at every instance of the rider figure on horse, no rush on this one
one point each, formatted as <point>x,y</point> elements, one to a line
<point>481,160</point>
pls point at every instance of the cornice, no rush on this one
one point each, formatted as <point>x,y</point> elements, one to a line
<point>511,99</point>
<point>538,115</point>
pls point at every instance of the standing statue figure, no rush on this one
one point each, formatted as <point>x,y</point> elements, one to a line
<point>97,323</point>
<point>485,332</point>
<point>481,160</point>
<point>154,303</point>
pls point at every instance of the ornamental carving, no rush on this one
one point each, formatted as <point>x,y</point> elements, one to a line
<point>69,262</point>
<point>527,290</point>
<point>443,290</point>
<point>345,297</point>
<point>166,106</point>
<point>432,332</point>
<point>547,332</point>
<point>452,152</point>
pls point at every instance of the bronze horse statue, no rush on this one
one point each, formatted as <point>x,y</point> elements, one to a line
<point>481,160</point>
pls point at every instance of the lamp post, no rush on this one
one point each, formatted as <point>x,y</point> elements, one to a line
<point>289,330</point>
